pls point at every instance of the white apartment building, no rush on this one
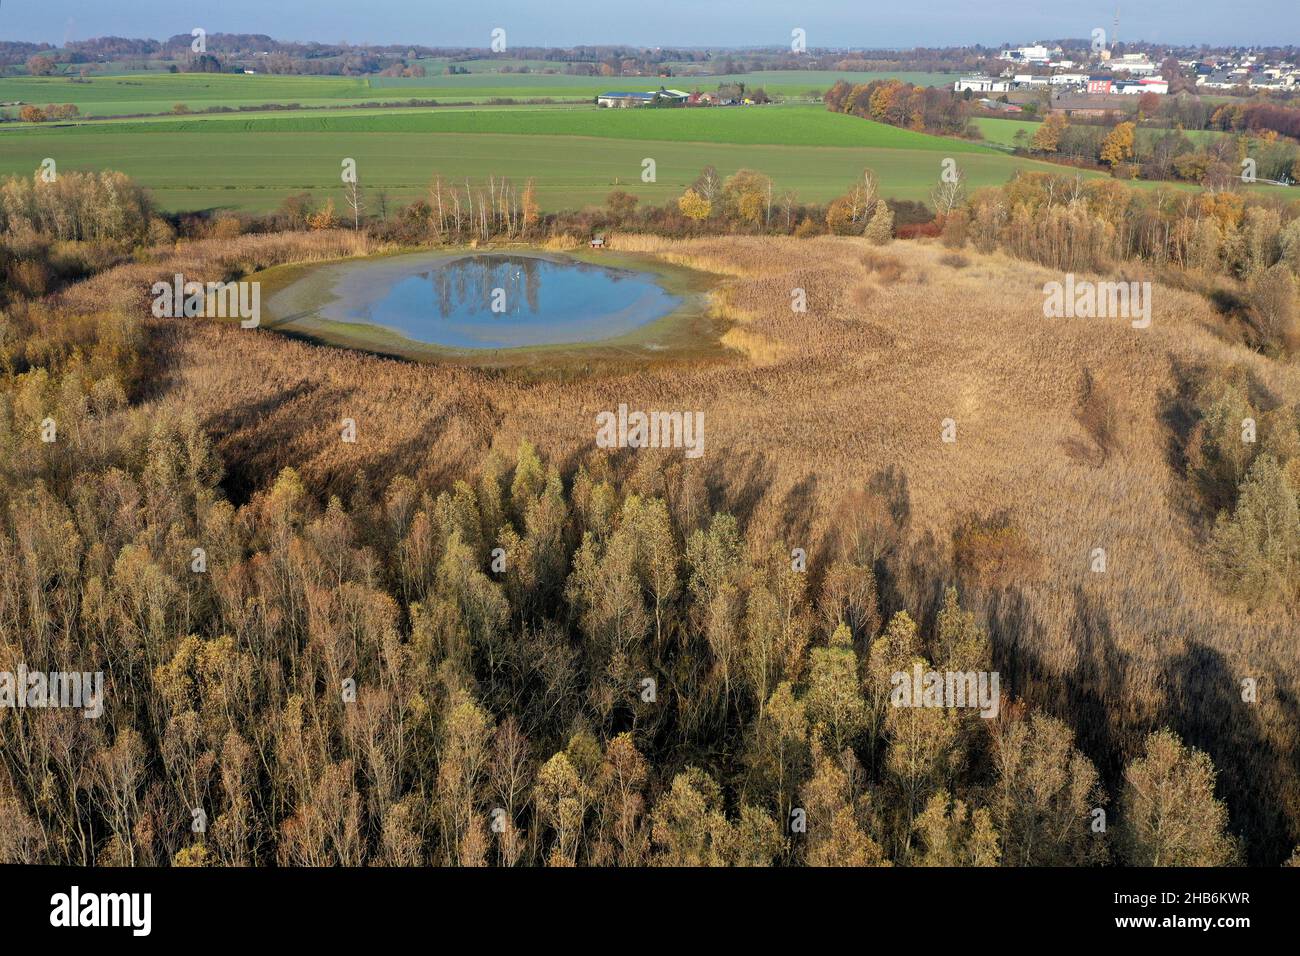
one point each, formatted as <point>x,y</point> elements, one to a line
<point>1134,63</point>
<point>982,84</point>
<point>1031,54</point>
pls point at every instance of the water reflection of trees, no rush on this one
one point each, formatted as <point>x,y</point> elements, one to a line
<point>464,286</point>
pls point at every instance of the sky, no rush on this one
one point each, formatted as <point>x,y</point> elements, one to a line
<point>699,23</point>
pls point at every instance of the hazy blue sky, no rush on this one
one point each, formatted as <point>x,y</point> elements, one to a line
<point>659,22</point>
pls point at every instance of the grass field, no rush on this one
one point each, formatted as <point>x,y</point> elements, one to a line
<point>1003,131</point>
<point>765,125</point>
<point>159,92</point>
<point>576,153</point>
<point>189,170</point>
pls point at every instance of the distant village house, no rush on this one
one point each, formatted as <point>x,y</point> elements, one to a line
<point>659,97</point>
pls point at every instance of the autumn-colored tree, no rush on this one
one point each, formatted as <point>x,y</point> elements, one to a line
<point>1149,103</point>
<point>694,206</point>
<point>1217,458</point>
<point>1273,309</point>
<point>924,745</point>
<point>717,566</point>
<point>835,705</point>
<point>40,65</point>
<point>1118,145</point>
<point>690,829</point>
<point>1045,793</point>
<point>1256,549</point>
<point>1168,814</point>
<point>463,757</point>
<point>621,799</point>
<point>891,653</point>
<point>849,597</point>
<point>561,799</point>
<point>838,819</point>
<point>848,214</point>
<point>1047,137</point>
<point>950,834</point>
<point>747,197</point>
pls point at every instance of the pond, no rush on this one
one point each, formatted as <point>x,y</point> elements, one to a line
<point>474,301</point>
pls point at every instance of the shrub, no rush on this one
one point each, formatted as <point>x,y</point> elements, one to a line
<point>1217,458</point>
<point>955,227</point>
<point>325,219</point>
<point>994,551</point>
<point>881,227</point>
<point>84,206</point>
<point>1273,307</point>
<point>808,226</point>
<point>227,227</point>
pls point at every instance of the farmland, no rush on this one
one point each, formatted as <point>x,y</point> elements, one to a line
<point>576,154</point>
<point>252,160</point>
<point>139,93</point>
<point>1003,131</point>
<point>198,170</point>
<point>768,125</point>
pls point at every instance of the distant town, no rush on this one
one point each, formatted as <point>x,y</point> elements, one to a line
<point>1029,70</point>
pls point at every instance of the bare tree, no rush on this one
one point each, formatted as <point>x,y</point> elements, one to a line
<point>948,196</point>
<point>356,199</point>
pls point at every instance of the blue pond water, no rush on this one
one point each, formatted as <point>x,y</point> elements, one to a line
<point>539,301</point>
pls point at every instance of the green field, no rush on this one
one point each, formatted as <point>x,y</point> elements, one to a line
<point>1003,131</point>
<point>158,92</point>
<point>758,125</point>
<point>576,155</point>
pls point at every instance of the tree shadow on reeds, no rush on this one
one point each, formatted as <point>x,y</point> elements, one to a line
<point>1204,706</point>
<point>400,458</point>
<point>159,361</point>
<point>916,582</point>
<point>871,529</point>
<point>1082,696</point>
<point>737,485</point>
<point>254,438</point>
<point>1095,689</point>
<point>1289,704</point>
<point>1176,411</point>
<point>798,509</point>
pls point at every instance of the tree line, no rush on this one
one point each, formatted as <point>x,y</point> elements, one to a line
<point>925,109</point>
